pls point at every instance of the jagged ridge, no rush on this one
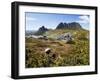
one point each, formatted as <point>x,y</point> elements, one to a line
<point>73,25</point>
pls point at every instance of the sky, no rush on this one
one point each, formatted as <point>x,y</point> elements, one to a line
<point>50,20</point>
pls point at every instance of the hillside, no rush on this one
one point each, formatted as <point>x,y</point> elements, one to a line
<point>74,53</point>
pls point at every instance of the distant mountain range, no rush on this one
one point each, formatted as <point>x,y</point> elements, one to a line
<point>61,25</point>
<point>73,25</point>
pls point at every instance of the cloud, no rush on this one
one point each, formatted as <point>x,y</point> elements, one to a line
<point>86,18</point>
<point>83,19</point>
<point>30,19</point>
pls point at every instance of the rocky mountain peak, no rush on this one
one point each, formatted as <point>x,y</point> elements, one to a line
<point>72,25</point>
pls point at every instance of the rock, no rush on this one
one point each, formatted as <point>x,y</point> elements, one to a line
<point>42,37</point>
<point>61,37</point>
<point>37,37</point>
<point>66,37</point>
<point>48,50</point>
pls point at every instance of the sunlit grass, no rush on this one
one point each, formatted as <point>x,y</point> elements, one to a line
<point>75,53</point>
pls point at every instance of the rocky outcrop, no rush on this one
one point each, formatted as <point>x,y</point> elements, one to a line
<point>67,37</point>
<point>41,30</point>
<point>73,25</point>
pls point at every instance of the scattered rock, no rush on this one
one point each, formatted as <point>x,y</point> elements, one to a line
<point>66,37</point>
<point>48,50</point>
<point>37,37</point>
<point>43,37</point>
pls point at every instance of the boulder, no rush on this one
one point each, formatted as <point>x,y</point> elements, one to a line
<point>66,37</point>
<point>48,50</point>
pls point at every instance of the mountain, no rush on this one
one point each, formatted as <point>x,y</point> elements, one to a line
<point>41,30</point>
<point>60,26</point>
<point>73,25</point>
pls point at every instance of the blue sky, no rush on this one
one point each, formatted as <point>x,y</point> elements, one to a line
<point>35,20</point>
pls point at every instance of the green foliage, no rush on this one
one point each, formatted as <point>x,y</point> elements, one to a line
<point>75,53</point>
